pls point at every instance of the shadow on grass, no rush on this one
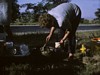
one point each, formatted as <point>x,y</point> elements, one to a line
<point>37,64</point>
<point>40,66</point>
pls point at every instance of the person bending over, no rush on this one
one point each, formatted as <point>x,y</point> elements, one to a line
<point>66,18</point>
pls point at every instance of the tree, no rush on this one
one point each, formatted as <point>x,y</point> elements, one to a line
<point>56,1</point>
<point>15,10</point>
<point>37,9</point>
<point>27,16</point>
<point>28,6</point>
<point>53,3</point>
<point>84,21</point>
<point>97,13</point>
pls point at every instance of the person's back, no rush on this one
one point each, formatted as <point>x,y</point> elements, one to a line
<point>68,16</point>
<point>65,10</point>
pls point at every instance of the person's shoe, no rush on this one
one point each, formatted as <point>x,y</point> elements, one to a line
<point>70,57</point>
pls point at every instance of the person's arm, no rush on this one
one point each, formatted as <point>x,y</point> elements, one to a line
<point>67,31</point>
<point>50,34</point>
<point>65,36</point>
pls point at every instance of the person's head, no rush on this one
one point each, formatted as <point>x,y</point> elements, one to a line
<point>46,20</point>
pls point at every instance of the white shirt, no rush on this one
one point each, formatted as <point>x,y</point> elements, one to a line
<point>63,10</point>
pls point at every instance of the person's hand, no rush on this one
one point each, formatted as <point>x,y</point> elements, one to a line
<point>48,38</point>
<point>61,41</point>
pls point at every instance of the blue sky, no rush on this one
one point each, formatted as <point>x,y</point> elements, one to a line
<point>88,7</point>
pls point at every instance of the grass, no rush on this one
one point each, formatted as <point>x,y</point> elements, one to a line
<point>83,64</point>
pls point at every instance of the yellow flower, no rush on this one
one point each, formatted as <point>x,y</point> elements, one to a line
<point>83,49</point>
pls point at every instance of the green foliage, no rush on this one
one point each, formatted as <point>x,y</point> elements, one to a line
<point>97,13</point>
<point>52,3</point>
<point>36,10</point>
<point>86,21</point>
<point>39,8</point>
<point>91,65</point>
<point>15,11</point>
<point>91,59</point>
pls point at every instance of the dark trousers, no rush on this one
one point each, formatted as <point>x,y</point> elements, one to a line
<point>70,44</point>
